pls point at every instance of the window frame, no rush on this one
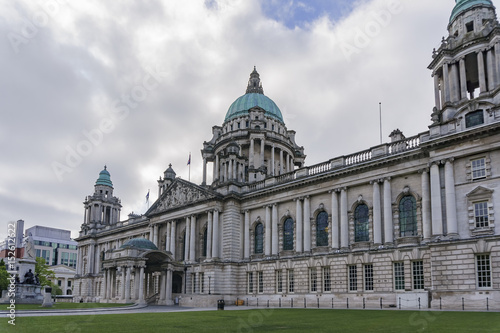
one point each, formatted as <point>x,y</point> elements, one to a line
<point>404,217</point>
<point>399,275</point>
<point>322,230</point>
<point>368,277</point>
<point>279,281</point>
<point>288,239</point>
<point>250,283</point>
<point>259,239</point>
<point>483,272</point>
<point>418,276</point>
<point>290,281</point>
<point>478,168</point>
<point>327,279</point>
<point>352,278</point>
<point>313,280</point>
<point>363,234</point>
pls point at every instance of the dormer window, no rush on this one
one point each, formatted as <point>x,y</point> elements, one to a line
<point>469,26</point>
<point>238,125</point>
<point>246,124</point>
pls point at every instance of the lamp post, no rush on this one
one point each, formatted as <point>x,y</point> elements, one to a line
<point>209,278</point>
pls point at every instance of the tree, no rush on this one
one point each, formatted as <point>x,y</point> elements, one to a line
<point>45,275</point>
<point>4,276</point>
<point>56,290</point>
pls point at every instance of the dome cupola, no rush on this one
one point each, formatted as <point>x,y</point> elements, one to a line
<point>104,178</point>
<point>465,5</point>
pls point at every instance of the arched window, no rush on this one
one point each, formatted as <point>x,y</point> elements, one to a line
<point>288,234</point>
<point>408,216</point>
<point>204,254</point>
<point>322,229</point>
<point>259,238</point>
<point>361,227</point>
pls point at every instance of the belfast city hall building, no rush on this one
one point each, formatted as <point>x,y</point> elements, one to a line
<point>411,219</point>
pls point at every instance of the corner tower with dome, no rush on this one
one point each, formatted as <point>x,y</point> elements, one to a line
<point>253,143</point>
<point>410,221</point>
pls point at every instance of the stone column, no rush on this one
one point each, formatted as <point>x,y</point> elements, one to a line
<point>204,171</point>
<point>192,241</point>
<point>172,238</point>
<point>437,218</point>
<point>281,161</point>
<point>79,261</point>
<point>209,235</point>
<point>167,236</point>
<point>335,220</point>
<point>225,171</point>
<point>105,284</point>
<point>451,204</point>
<point>230,169</point>
<point>344,220</point>
<point>275,244</point>
<point>235,171</point>
<point>187,237</point>
<point>215,243</point>
<point>455,90</point>
<point>124,269</point>
<point>497,62</point>
<point>482,74</point>
<point>136,283</point>
<point>298,212</point>
<point>490,70</point>
<point>307,225</point>
<point>91,257</point>
<point>463,79</point>
<point>163,285</point>
<point>251,154</point>
<point>127,284</point>
<point>262,147</point>
<point>388,223</point>
<point>437,96</point>
<point>168,295</point>
<point>377,214</point>
<point>446,83</point>
<point>155,241</point>
<point>273,168</point>
<point>141,286</point>
<point>267,250</point>
<point>246,235</point>
<point>216,168</point>
<point>426,205</point>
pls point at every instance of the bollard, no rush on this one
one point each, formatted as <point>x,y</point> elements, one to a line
<point>487,304</point>
<point>305,304</point>
<point>247,301</point>
<point>291,300</point>
<point>440,308</point>
<point>400,303</point>
<point>257,302</point>
<point>463,304</point>
<point>267,303</point>
<point>348,302</point>
<point>318,303</point>
<point>381,303</point>
<point>332,303</point>
<point>280,302</point>
<point>364,303</point>
<point>419,303</point>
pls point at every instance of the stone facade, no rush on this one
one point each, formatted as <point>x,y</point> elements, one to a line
<point>408,221</point>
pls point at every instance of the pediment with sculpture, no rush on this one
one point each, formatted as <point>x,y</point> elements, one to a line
<point>180,193</point>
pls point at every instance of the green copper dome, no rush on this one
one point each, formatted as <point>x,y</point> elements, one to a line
<point>464,5</point>
<point>140,243</point>
<point>104,178</point>
<point>246,102</point>
<point>253,97</point>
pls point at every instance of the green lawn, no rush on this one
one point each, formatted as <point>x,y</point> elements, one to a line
<point>62,305</point>
<point>286,320</point>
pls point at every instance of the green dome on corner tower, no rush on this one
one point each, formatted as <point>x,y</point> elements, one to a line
<point>254,97</point>
<point>104,178</point>
<point>464,5</point>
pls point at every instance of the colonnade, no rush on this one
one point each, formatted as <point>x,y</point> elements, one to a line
<point>450,85</point>
<point>97,212</point>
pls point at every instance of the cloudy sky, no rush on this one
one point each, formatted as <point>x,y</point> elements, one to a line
<point>136,85</point>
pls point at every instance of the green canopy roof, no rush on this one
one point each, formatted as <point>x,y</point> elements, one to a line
<point>464,5</point>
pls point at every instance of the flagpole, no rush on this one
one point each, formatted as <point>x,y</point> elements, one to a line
<point>380,113</point>
<point>189,175</point>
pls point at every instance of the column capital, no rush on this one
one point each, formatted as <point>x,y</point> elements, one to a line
<point>430,164</point>
<point>449,160</point>
<point>387,179</point>
<point>376,181</point>
<point>423,170</point>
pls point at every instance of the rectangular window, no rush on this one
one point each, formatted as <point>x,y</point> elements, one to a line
<point>202,283</point>
<point>483,271</point>
<point>72,260</point>
<point>291,283</point>
<point>418,275</point>
<point>368,277</point>
<point>313,280</point>
<point>279,281</point>
<point>59,283</point>
<point>250,282</point>
<point>478,168</point>
<point>261,282</point>
<point>481,214</point>
<point>399,276</point>
<point>327,282</point>
<point>69,283</point>
<point>353,278</point>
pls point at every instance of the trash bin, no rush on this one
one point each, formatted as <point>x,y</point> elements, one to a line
<point>220,304</point>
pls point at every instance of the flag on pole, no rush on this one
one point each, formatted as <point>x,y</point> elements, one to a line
<point>189,160</point>
<point>147,197</point>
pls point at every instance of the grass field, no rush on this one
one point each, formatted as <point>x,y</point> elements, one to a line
<point>286,320</point>
<point>59,306</point>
